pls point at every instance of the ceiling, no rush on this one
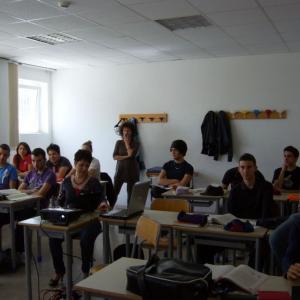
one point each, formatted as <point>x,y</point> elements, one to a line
<point>124,31</point>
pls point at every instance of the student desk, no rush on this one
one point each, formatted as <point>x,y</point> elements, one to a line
<point>220,237</point>
<point>166,218</point>
<point>196,199</point>
<point>49,229</point>
<point>110,282</point>
<point>10,207</point>
<point>283,199</point>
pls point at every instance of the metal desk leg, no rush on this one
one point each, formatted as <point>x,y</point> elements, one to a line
<point>106,244</point>
<point>38,237</point>
<point>257,254</point>
<point>68,241</point>
<point>281,208</point>
<point>218,206</point>
<point>179,245</point>
<point>28,252</point>
<point>86,296</point>
<point>13,238</point>
<point>170,243</point>
<point>127,241</point>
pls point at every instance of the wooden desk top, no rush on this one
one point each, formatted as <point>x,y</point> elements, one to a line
<point>192,194</point>
<point>217,230</point>
<point>111,280</point>
<point>165,218</point>
<point>36,223</point>
<point>29,199</point>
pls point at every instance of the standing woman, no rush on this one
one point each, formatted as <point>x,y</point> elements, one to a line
<point>94,169</point>
<point>127,169</point>
<point>83,191</point>
<point>22,159</point>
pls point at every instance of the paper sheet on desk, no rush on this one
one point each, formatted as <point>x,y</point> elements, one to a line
<point>18,197</point>
<point>9,192</point>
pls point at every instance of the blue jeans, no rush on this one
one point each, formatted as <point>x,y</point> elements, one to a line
<point>279,238</point>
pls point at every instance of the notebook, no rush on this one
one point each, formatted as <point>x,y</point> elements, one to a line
<point>136,204</point>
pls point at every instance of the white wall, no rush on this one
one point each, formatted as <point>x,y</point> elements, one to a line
<point>87,102</point>
<point>4,103</point>
<point>45,138</point>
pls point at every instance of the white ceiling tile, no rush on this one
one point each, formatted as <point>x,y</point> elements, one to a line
<point>189,53</point>
<point>24,29</point>
<point>7,19</point>
<point>229,51</point>
<point>128,2</point>
<point>266,47</point>
<point>5,35</point>
<point>207,37</point>
<point>21,43</point>
<point>276,2</point>
<point>29,9</point>
<point>291,36</point>
<point>289,25</point>
<point>96,34</point>
<point>165,9</point>
<point>283,12</point>
<point>294,46</point>
<point>249,30</point>
<point>211,6</point>
<point>112,13</point>
<point>233,18</point>
<point>64,23</point>
<point>122,43</point>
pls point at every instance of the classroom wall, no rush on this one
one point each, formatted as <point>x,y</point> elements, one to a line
<point>4,102</point>
<point>87,102</point>
<point>42,139</point>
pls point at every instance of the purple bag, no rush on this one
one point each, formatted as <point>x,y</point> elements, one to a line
<point>198,219</point>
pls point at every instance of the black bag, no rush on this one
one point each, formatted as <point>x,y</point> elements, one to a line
<point>162,279</point>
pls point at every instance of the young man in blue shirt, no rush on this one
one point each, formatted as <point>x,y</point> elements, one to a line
<point>8,173</point>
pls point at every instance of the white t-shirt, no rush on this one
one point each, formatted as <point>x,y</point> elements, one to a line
<point>95,165</point>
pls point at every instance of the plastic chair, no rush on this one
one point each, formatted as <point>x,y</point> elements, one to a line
<point>147,235</point>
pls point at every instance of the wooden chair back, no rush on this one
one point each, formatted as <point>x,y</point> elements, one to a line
<point>147,233</point>
<point>167,204</point>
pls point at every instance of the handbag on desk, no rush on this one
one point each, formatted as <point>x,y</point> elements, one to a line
<point>162,279</point>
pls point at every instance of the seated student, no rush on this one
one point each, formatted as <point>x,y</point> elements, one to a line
<point>40,180</point>
<point>94,169</point>
<point>72,189</point>
<point>233,177</point>
<point>279,239</point>
<point>60,165</point>
<point>288,176</point>
<point>250,199</point>
<point>253,197</point>
<point>176,172</point>
<point>8,180</point>
<point>22,159</point>
<point>8,173</point>
<point>291,259</point>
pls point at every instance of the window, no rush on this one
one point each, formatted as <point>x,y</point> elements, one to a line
<point>33,107</point>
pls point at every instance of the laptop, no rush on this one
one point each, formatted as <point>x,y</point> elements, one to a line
<point>136,204</point>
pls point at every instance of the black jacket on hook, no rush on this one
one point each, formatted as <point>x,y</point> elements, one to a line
<point>216,135</point>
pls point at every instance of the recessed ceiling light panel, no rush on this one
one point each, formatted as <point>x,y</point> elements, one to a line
<point>184,22</point>
<point>54,38</point>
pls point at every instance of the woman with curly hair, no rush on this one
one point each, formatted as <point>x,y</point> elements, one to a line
<point>22,159</point>
<point>126,149</point>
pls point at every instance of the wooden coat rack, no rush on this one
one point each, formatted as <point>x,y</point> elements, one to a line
<point>146,118</point>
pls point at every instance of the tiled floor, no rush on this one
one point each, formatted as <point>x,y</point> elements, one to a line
<point>13,285</point>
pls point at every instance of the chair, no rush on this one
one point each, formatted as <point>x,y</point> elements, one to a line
<point>167,204</point>
<point>147,235</point>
